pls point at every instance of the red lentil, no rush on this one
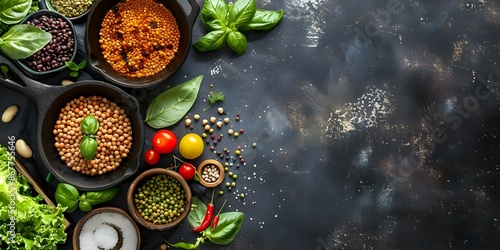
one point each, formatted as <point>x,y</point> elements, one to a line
<point>139,38</point>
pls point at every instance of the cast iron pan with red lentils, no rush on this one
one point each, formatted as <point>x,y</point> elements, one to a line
<point>127,37</point>
<point>50,99</point>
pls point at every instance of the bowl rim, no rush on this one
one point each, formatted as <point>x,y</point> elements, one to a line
<point>95,60</point>
<point>218,165</point>
<point>29,70</point>
<point>146,175</point>
<point>85,218</point>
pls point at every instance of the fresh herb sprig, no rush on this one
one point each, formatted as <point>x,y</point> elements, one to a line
<point>228,226</point>
<point>76,67</point>
<point>226,22</point>
<point>214,97</point>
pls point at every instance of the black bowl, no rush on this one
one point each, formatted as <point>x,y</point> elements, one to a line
<point>34,73</point>
<point>98,63</point>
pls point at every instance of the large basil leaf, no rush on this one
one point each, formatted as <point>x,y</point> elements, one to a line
<point>228,227</point>
<point>263,20</point>
<point>13,11</point>
<point>242,12</point>
<point>98,197</point>
<point>23,40</point>
<point>67,196</point>
<point>88,147</point>
<point>197,213</point>
<point>214,14</point>
<point>237,42</point>
<point>212,41</point>
<point>169,107</point>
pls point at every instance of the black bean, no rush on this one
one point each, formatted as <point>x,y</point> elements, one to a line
<point>58,50</point>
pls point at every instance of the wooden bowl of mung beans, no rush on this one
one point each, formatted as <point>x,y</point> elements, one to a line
<point>159,199</point>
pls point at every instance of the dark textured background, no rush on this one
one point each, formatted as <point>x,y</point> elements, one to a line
<point>376,124</point>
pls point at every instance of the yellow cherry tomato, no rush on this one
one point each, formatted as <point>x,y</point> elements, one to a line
<point>191,146</point>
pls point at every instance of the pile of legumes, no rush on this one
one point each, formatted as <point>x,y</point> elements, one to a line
<point>210,173</point>
<point>59,50</point>
<point>139,38</point>
<point>160,200</point>
<point>114,135</point>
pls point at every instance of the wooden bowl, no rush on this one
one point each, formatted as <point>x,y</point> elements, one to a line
<point>200,171</point>
<point>146,176</point>
<point>104,216</point>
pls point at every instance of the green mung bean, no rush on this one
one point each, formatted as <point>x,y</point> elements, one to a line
<point>71,8</point>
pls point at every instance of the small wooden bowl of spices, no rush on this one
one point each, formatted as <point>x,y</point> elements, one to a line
<point>210,173</point>
<point>73,10</point>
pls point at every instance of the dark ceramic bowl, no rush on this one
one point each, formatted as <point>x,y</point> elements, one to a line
<point>107,216</point>
<point>50,99</point>
<point>141,179</point>
<point>96,59</point>
<point>49,6</point>
<point>34,73</point>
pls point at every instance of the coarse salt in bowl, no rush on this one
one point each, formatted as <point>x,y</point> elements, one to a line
<point>106,228</point>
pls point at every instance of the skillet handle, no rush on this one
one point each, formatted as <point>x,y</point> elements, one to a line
<point>195,9</point>
<point>31,86</point>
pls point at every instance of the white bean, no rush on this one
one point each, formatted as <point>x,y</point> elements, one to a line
<point>66,82</point>
<point>23,149</point>
<point>9,113</point>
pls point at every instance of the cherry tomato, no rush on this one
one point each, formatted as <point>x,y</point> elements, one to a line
<point>151,157</point>
<point>164,141</point>
<point>191,146</point>
<point>187,171</point>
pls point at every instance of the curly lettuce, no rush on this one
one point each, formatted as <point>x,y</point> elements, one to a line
<point>36,224</point>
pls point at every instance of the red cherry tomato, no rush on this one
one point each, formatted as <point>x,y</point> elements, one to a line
<point>187,171</point>
<point>164,141</point>
<point>151,157</point>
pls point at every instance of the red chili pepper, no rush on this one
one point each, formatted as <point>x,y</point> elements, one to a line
<point>208,216</point>
<point>216,218</point>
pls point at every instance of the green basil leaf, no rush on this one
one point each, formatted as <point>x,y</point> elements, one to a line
<point>212,41</point>
<point>98,197</point>
<point>197,213</point>
<point>228,227</point>
<point>23,40</point>
<point>71,65</point>
<point>88,148</point>
<point>73,73</point>
<point>242,12</point>
<point>13,11</point>
<point>214,14</point>
<point>263,20</point>
<point>237,42</point>
<point>90,125</point>
<point>169,107</point>
<point>82,64</point>
<point>85,206</point>
<point>67,195</point>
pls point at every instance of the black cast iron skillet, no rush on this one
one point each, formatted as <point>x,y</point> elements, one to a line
<point>98,63</point>
<point>50,99</point>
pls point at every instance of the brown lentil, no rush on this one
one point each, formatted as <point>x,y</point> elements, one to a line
<point>139,38</point>
<point>114,136</point>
